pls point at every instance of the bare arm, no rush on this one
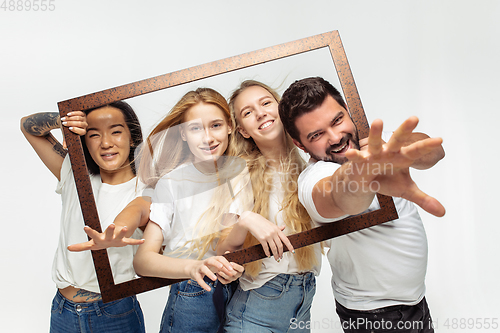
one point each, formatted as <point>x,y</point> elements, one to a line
<point>233,239</point>
<point>36,128</point>
<point>267,233</point>
<point>134,215</point>
<point>149,262</point>
<point>347,191</point>
<point>344,193</point>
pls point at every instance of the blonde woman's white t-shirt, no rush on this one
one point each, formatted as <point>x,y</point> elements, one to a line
<point>269,266</point>
<point>181,198</point>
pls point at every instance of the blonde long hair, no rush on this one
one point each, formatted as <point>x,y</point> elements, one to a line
<point>295,215</point>
<point>155,161</point>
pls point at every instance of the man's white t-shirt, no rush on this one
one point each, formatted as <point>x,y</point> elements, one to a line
<point>376,267</point>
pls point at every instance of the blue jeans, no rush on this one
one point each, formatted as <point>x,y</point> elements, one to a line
<point>124,315</point>
<point>283,304</point>
<point>190,308</point>
<point>397,318</point>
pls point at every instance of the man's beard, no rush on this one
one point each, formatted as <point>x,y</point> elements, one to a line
<point>332,157</point>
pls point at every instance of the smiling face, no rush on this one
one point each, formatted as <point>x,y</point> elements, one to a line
<point>327,132</point>
<point>206,131</point>
<point>256,112</point>
<point>108,141</point>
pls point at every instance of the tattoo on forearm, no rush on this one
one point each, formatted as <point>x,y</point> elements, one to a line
<point>40,124</point>
<point>88,295</point>
<point>56,145</point>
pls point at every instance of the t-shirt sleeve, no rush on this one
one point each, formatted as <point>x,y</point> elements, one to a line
<point>143,190</point>
<point>307,180</point>
<point>162,214</point>
<point>162,206</point>
<point>66,172</point>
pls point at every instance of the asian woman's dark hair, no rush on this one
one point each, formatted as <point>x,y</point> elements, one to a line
<point>135,133</point>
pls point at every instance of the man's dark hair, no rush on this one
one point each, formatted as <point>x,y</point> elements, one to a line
<point>304,96</point>
<point>135,133</point>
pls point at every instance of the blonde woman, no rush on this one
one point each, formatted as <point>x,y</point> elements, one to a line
<point>183,160</point>
<point>274,294</point>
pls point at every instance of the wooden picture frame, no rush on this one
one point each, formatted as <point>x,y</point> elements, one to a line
<point>331,40</point>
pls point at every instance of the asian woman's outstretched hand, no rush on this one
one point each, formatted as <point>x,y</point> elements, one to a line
<point>113,236</point>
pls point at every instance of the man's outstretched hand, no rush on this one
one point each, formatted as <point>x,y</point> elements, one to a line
<point>386,165</point>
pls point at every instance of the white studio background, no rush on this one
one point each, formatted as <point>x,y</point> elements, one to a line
<point>436,59</point>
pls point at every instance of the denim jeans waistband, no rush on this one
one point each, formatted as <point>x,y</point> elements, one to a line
<point>293,279</point>
<point>80,308</point>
